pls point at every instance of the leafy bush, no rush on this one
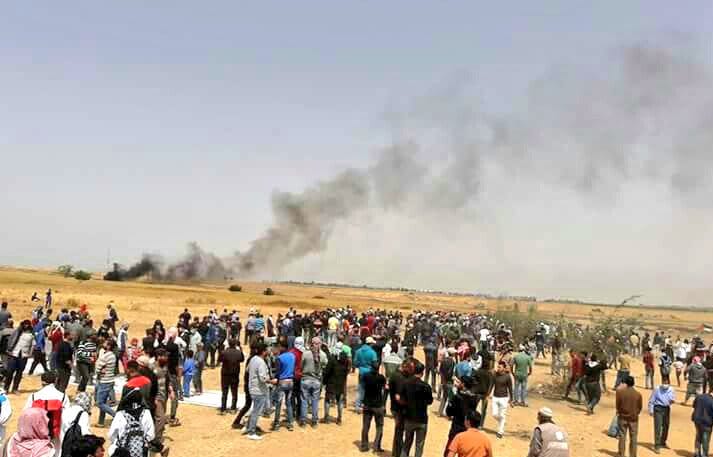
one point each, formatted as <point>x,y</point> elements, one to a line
<point>65,270</point>
<point>81,275</point>
<point>269,291</point>
<point>235,288</point>
<point>73,303</point>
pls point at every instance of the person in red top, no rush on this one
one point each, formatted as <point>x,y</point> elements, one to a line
<point>576,369</point>
<point>56,338</point>
<point>370,322</point>
<point>137,381</point>
<point>649,360</point>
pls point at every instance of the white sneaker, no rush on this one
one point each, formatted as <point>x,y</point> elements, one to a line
<point>254,437</point>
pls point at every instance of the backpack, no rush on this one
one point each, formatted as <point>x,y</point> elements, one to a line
<point>72,436</point>
<point>133,442</point>
<point>54,414</point>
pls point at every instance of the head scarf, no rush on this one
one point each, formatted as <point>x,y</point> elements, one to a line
<point>32,437</point>
<point>300,344</point>
<point>133,404</point>
<point>84,400</point>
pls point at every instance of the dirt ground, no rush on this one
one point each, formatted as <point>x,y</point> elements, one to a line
<point>205,431</point>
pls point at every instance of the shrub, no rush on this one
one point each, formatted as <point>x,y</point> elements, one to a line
<point>235,288</point>
<point>318,297</point>
<point>269,291</point>
<point>65,270</point>
<point>73,303</point>
<point>81,275</point>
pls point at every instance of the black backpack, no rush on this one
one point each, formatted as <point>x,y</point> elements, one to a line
<point>73,435</point>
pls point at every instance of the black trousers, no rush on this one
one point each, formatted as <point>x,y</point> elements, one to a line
<point>244,410</point>
<point>297,398</point>
<point>38,358</point>
<point>85,375</point>
<point>378,415</point>
<point>229,383</point>
<point>399,431</point>
<point>63,374</point>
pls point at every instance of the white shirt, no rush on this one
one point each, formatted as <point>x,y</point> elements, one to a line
<point>49,392</point>
<point>484,333</point>
<point>69,415</point>
<point>119,424</point>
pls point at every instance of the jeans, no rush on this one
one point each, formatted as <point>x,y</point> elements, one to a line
<point>633,430</point>
<point>198,380</point>
<point>574,382</point>
<point>649,378</point>
<point>378,415</point>
<point>173,379</point>
<point>283,392</point>
<point>620,376</point>
<point>594,394</point>
<point>104,391</point>
<point>445,389</point>
<point>398,444</point>
<point>85,375</point>
<point>662,418</point>
<point>331,338</point>
<point>414,430</point>
<point>259,404</point>
<point>360,394</point>
<point>430,371</point>
<point>311,389</point>
<point>703,439</point>
<point>187,378</point>
<point>14,370</point>
<point>520,392</point>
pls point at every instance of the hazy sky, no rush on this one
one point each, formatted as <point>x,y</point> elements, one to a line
<point>140,127</point>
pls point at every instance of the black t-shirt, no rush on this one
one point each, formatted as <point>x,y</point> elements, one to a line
<point>374,389</point>
<point>396,383</point>
<point>64,354</point>
<point>173,357</point>
<point>418,396</point>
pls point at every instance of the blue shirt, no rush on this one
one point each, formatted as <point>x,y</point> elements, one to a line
<point>463,369</point>
<point>259,324</point>
<point>287,366</point>
<point>189,367</point>
<point>703,411</point>
<point>364,359</point>
<point>661,397</point>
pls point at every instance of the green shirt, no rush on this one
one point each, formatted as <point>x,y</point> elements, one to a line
<point>347,350</point>
<point>522,362</point>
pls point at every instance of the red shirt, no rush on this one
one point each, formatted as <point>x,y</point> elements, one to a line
<point>138,382</point>
<point>298,363</point>
<point>56,339</point>
<point>649,360</point>
<point>577,367</point>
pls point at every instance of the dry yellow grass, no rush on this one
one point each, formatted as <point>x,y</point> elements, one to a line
<point>205,432</point>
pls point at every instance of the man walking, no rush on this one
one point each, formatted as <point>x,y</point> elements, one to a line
<point>285,385</point>
<point>314,361</point>
<point>502,396</point>
<point>230,359</point>
<point>417,396</point>
<point>521,370</point>
<point>648,359</point>
<point>696,374</point>
<point>702,418</point>
<point>628,407</point>
<point>364,360</point>
<point>576,370</point>
<point>660,408</point>
<point>472,442</point>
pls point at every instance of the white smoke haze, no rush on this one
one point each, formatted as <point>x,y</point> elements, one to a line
<point>598,186</point>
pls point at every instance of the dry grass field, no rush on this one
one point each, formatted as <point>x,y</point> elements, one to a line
<point>205,432</point>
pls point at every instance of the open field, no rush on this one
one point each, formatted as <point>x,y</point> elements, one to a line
<point>203,430</point>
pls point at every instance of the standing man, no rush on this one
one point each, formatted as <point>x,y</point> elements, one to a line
<point>417,396</point>
<point>374,384</point>
<point>702,418</point>
<point>19,348</point>
<point>396,386</point>
<point>231,359</point>
<point>648,359</point>
<point>285,384</point>
<point>364,360</point>
<point>628,407</point>
<point>5,315</point>
<point>259,378</point>
<point>548,438</point>
<point>521,370</point>
<point>106,372</point>
<point>660,407</point>
<point>64,362</point>
<point>314,361</point>
<point>696,374</point>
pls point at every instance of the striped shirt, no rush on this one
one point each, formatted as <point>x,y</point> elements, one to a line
<point>86,351</point>
<point>106,367</point>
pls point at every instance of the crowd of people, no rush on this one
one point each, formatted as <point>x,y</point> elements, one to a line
<point>294,371</point>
